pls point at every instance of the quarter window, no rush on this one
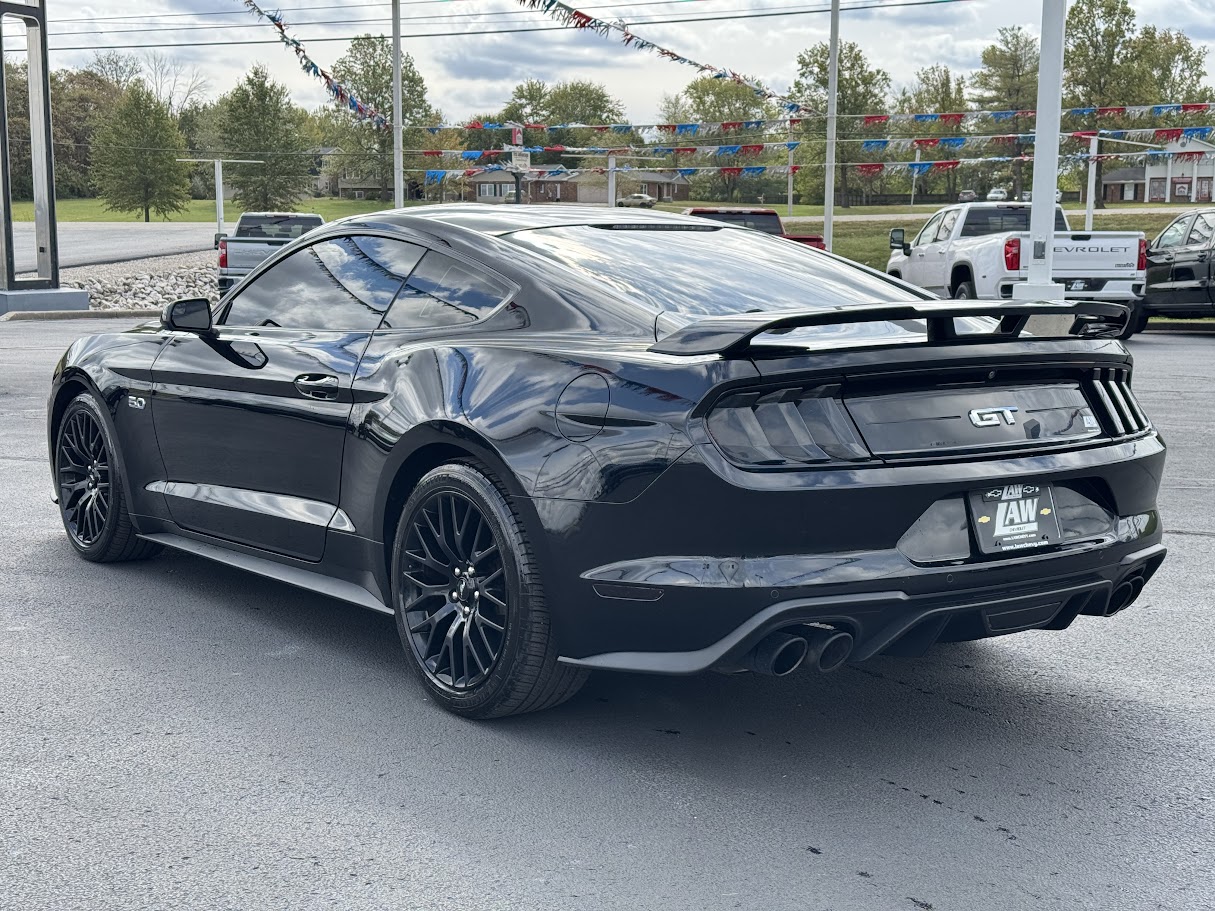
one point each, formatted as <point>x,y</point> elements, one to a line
<point>444,292</point>
<point>947,223</point>
<point>345,284</point>
<point>1203,231</point>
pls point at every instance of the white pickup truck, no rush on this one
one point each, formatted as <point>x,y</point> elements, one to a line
<point>257,235</point>
<point>980,250</point>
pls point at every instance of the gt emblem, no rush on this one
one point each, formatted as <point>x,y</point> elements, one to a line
<point>990,417</point>
<point>134,401</point>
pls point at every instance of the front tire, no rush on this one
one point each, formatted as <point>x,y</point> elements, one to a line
<point>88,480</point>
<point>965,291</point>
<point>469,600</point>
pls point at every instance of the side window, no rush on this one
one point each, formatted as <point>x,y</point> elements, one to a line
<point>1174,234</point>
<point>926,233</point>
<point>444,292</point>
<point>345,283</point>
<point>1203,231</point>
<point>947,223</point>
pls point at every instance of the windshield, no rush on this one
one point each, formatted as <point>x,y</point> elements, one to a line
<point>999,219</point>
<point>768,222</point>
<point>280,227</point>
<point>687,273</point>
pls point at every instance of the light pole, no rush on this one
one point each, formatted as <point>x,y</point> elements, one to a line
<point>833,81</point>
<point>219,186</point>
<point>398,141</point>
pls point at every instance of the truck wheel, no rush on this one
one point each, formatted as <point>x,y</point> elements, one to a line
<point>965,291</point>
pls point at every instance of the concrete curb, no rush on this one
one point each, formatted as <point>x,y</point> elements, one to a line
<point>76,314</point>
<point>1180,325</point>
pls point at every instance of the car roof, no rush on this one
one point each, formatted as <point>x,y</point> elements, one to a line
<point>499,220</point>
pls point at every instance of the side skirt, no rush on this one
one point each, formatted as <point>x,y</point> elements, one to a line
<point>292,575</point>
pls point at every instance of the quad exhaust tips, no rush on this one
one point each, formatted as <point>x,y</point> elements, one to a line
<point>1122,597</point>
<point>782,653</point>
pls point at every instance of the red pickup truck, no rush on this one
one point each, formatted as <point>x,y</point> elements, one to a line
<point>765,220</point>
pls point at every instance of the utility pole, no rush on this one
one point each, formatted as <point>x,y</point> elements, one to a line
<point>789,187</point>
<point>914,177</point>
<point>219,186</point>
<point>398,142</point>
<point>833,82</point>
<point>611,176</point>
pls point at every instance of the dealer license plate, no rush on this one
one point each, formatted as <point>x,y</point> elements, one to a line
<point>1014,517</point>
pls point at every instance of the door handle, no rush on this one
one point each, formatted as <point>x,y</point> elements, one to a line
<point>317,385</point>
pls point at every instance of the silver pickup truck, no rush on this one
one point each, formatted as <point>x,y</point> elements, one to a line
<point>257,235</point>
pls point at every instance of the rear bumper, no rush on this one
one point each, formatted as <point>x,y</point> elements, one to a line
<point>1111,290</point>
<point>709,558</point>
<point>895,621</point>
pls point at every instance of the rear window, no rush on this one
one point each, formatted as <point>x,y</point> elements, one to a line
<point>999,219</point>
<point>276,227</point>
<point>768,222</point>
<point>711,271</point>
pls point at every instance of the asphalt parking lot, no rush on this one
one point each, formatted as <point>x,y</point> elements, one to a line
<point>176,734</point>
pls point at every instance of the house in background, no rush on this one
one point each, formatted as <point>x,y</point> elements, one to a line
<point>1171,179</point>
<point>326,162</point>
<point>584,187</point>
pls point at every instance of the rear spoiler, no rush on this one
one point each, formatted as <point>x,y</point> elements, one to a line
<point>731,334</point>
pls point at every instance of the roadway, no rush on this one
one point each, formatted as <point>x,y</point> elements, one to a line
<point>83,243</point>
<point>179,734</point>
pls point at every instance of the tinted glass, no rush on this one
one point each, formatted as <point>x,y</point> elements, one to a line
<point>928,231</point>
<point>710,272</point>
<point>947,223</point>
<point>997,220</point>
<point>277,227</point>
<point>1203,231</point>
<point>346,284</point>
<point>444,292</point>
<point>768,222</point>
<point>1174,234</point>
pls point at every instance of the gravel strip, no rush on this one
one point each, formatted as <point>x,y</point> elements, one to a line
<point>145,283</point>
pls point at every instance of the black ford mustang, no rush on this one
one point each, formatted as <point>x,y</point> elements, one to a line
<point>554,439</point>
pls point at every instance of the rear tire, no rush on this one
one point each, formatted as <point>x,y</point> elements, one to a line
<point>480,642</point>
<point>89,483</point>
<point>965,291</point>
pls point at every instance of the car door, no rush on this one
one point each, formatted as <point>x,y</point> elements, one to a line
<point>916,271</point>
<point>251,420</point>
<point>934,255</point>
<point>1192,270</point>
<point>1162,252</point>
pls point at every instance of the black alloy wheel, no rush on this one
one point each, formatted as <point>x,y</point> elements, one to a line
<point>454,590</point>
<point>85,478</point>
<point>88,479</point>
<point>469,599</point>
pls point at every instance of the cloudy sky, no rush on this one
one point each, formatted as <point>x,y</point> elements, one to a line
<point>468,73</point>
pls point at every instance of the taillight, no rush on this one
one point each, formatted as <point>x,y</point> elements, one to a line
<point>785,427</point>
<point>1012,254</point>
<point>223,254</point>
<point>1142,261</point>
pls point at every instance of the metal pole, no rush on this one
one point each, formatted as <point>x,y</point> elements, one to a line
<point>833,78</point>
<point>398,142</point>
<point>611,175</point>
<point>914,177</point>
<point>1092,184</point>
<point>1046,158</point>
<point>789,187</point>
<point>219,196</point>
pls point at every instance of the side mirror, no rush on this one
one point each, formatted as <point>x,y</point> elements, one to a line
<point>898,239</point>
<point>191,315</point>
<point>218,238</point>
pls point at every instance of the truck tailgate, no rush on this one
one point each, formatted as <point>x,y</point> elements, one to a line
<point>1099,254</point>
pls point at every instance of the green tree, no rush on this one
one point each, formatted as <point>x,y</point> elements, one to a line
<point>1171,67</point>
<point>135,156</point>
<point>1008,81</point>
<point>366,69</point>
<point>260,122</point>
<point>935,88</point>
<point>861,89</point>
